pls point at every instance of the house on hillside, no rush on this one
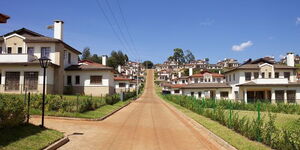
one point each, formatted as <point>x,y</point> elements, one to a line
<point>123,84</point>
<point>90,78</point>
<point>263,80</point>
<point>20,70</point>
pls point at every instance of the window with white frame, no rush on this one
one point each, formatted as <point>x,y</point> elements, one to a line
<point>30,51</point>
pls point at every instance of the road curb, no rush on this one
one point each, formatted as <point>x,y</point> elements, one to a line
<point>199,126</point>
<point>57,144</point>
<point>81,119</point>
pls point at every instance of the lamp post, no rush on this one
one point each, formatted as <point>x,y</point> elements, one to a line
<point>44,62</point>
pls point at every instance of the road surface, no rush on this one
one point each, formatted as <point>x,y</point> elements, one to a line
<point>148,123</point>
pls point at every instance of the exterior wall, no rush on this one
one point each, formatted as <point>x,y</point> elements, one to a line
<point>15,42</point>
<point>107,86</point>
<point>207,91</point>
<point>22,69</point>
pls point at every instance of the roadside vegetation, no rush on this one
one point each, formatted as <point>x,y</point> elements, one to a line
<point>282,133</point>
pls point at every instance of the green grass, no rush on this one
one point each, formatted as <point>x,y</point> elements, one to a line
<point>230,136</point>
<point>282,120</point>
<point>98,113</point>
<point>27,137</point>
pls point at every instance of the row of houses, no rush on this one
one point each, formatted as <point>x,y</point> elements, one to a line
<point>259,79</point>
<point>20,70</point>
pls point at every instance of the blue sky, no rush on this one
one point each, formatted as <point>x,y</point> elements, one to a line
<point>209,28</point>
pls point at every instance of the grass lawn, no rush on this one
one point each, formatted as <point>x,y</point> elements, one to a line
<point>98,113</point>
<point>282,120</point>
<point>27,137</point>
<point>230,136</point>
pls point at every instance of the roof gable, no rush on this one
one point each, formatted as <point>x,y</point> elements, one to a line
<point>24,32</point>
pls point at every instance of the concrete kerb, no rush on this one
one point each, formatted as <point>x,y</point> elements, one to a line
<point>198,126</point>
<point>84,119</point>
<point>57,144</point>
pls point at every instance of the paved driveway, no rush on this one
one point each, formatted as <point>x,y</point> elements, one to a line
<point>148,123</point>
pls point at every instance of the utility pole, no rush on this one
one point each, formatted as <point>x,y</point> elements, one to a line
<point>137,79</point>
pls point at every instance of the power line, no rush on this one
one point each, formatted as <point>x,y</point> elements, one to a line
<point>126,27</point>
<point>111,25</point>
<point>119,27</point>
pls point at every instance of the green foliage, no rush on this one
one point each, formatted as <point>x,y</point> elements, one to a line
<point>117,58</point>
<point>254,129</point>
<point>12,110</point>
<point>189,56</point>
<point>148,64</point>
<point>86,54</point>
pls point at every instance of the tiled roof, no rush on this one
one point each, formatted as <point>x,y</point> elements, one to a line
<point>256,66</point>
<point>88,65</point>
<point>201,74</point>
<point>206,85</point>
<point>251,83</point>
<point>122,79</point>
<point>33,37</point>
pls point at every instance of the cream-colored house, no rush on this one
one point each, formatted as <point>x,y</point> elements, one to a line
<point>123,84</point>
<point>19,65</point>
<point>20,70</point>
<point>89,78</point>
<point>264,80</point>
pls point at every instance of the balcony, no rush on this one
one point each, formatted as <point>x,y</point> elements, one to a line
<point>16,58</point>
<point>271,81</point>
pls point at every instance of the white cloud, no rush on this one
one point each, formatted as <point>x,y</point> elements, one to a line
<point>242,46</point>
<point>298,21</point>
<point>207,22</point>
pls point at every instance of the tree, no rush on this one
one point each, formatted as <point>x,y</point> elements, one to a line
<point>117,58</point>
<point>148,64</point>
<point>179,55</point>
<point>96,58</point>
<point>189,56</point>
<point>86,54</point>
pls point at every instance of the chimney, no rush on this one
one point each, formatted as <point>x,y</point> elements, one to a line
<point>190,71</point>
<point>179,74</point>
<point>290,59</point>
<point>104,60</point>
<point>119,69</point>
<point>58,29</point>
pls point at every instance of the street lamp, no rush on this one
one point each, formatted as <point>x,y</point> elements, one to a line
<point>44,62</point>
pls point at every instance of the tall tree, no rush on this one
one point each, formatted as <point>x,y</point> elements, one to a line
<point>86,54</point>
<point>178,55</point>
<point>117,58</point>
<point>148,64</point>
<point>96,58</point>
<point>189,56</point>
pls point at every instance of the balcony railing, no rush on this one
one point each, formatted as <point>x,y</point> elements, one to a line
<point>16,58</point>
<point>271,81</point>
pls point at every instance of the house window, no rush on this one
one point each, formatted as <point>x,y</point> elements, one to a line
<point>9,50</point>
<point>192,94</point>
<point>31,80</point>
<point>236,95</point>
<point>247,76</point>
<point>77,79</point>
<point>30,51</point>
<point>262,75</point>
<point>131,85</point>
<point>69,58</point>
<point>256,75</point>
<point>196,80</point>
<point>199,94</point>
<point>291,96</point>
<point>176,91</point>
<point>0,50</point>
<point>183,81</point>
<point>45,52</point>
<point>270,75</point>
<point>19,50</point>
<point>287,75</point>
<point>224,94</point>
<point>218,79</point>
<point>233,77</point>
<point>276,74</point>
<point>121,85</point>
<point>12,81</point>
<point>69,80</point>
<point>279,96</point>
<point>96,79</point>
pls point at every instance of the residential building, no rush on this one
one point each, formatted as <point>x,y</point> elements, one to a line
<point>263,80</point>
<point>123,84</point>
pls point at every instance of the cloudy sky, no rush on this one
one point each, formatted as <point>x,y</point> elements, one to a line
<point>151,29</point>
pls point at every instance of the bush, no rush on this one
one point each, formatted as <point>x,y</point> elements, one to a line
<point>254,129</point>
<point>12,110</point>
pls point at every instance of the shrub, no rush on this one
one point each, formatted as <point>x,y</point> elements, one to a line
<point>12,110</point>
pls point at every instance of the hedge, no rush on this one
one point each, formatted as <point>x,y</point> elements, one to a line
<point>254,129</point>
